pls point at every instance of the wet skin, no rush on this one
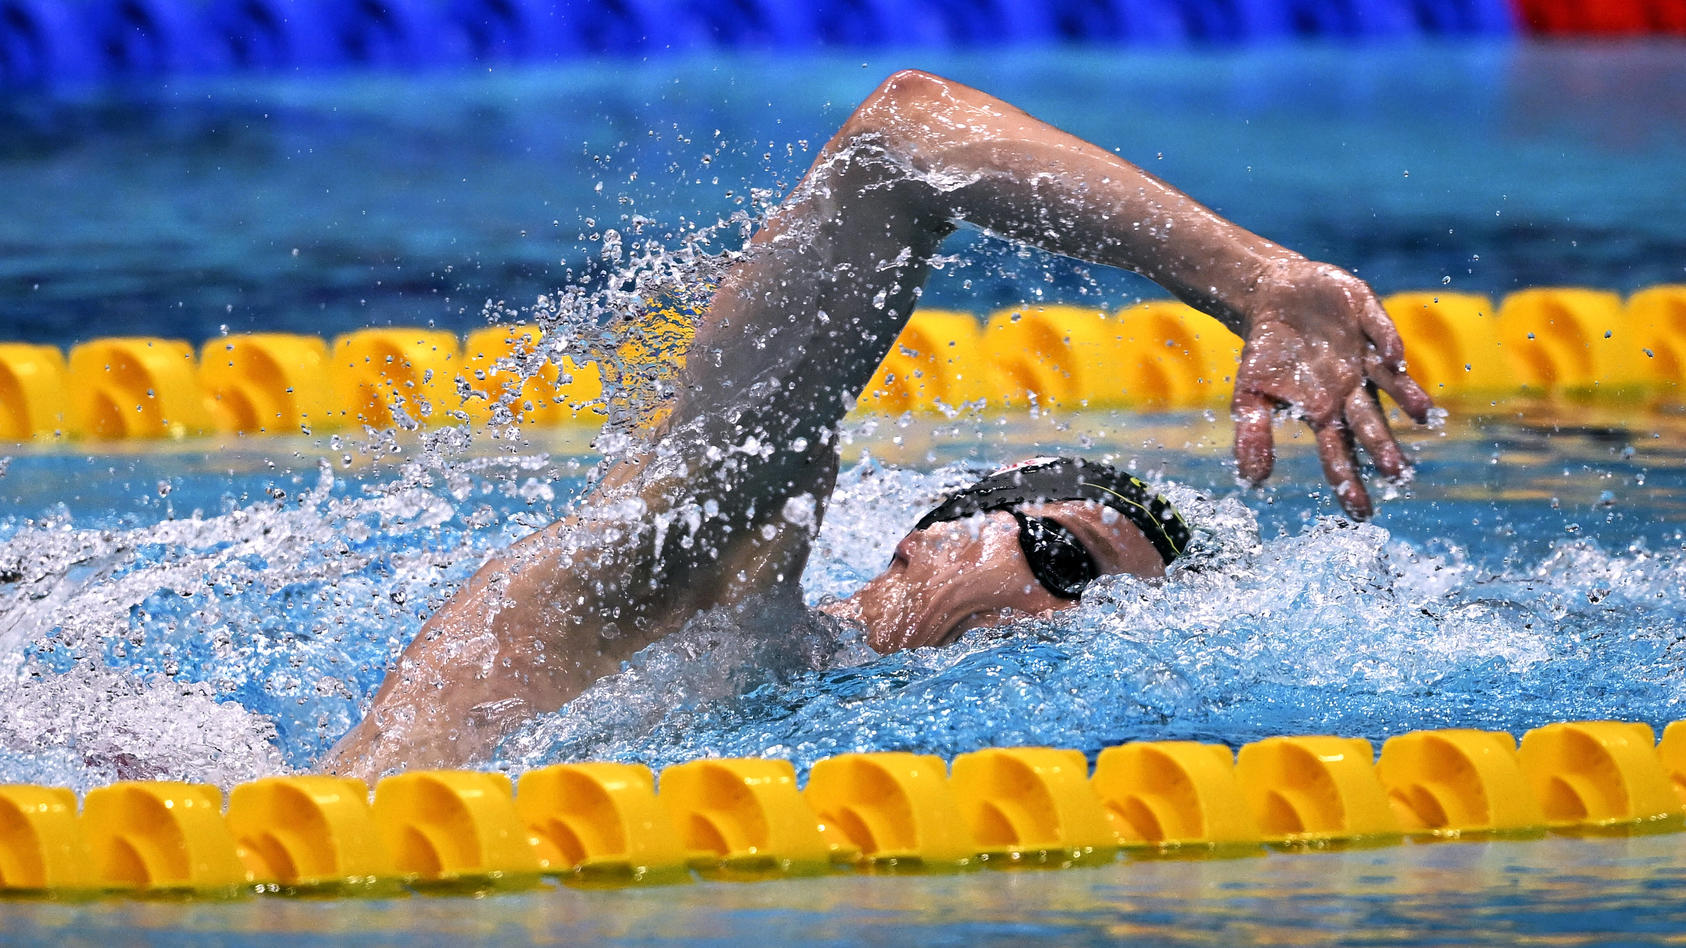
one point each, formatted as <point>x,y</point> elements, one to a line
<point>805,315</point>
<point>952,577</point>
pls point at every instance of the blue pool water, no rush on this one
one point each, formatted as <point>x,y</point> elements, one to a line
<point>321,206</point>
<point>226,618</point>
<point>221,610</point>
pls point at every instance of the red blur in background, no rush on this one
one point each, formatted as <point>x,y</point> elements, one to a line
<point>1602,17</point>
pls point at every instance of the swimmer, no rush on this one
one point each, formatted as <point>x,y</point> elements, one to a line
<point>719,509</point>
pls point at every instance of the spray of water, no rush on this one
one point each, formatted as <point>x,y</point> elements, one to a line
<point>1339,628</point>
<point>223,647</point>
<point>245,638</point>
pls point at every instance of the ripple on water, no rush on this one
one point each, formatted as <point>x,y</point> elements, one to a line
<point>1337,628</point>
<point>227,647</point>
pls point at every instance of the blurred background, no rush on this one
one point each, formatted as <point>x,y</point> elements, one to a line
<point>185,168</point>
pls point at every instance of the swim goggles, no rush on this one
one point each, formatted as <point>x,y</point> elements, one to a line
<point>1056,558</point>
<point>1060,563</point>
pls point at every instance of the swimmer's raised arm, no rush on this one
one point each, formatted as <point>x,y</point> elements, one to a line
<point>829,281</point>
<point>723,504</point>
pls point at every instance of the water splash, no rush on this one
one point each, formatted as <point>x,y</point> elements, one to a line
<point>1339,628</point>
<point>229,646</point>
<point>226,647</point>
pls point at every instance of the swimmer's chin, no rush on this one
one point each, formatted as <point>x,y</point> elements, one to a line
<point>940,634</point>
<point>991,619</point>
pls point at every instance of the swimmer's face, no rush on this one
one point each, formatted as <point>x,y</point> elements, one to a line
<point>971,573</point>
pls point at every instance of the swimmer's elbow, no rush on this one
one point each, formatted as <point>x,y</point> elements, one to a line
<point>909,86</point>
<point>903,94</point>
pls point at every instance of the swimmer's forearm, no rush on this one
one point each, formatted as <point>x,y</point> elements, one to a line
<point>1000,169</point>
<point>1135,222</point>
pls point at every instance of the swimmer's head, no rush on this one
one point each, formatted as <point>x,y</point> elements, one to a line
<point>1025,540</point>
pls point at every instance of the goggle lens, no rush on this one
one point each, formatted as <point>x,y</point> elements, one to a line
<point>1056,557</point>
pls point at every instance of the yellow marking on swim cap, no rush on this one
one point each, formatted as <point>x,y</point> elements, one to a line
<point>1146,510</point>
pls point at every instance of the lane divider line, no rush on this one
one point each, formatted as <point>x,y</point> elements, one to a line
<point>1571,344</point>
<point>617,824</point>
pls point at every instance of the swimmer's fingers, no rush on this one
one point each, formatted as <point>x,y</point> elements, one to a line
<point>1364,416</point>
<point>1274,372</point>
<point>1255,454</point>
<point>1401,386</point>
<point>1378,325</point>
<point>1340,468</point>
<point>1384,364</point>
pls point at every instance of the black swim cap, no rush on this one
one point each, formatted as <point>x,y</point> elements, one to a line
<point>1051,480</point>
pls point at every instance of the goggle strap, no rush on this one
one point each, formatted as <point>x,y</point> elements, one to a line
<point>1063,479</point>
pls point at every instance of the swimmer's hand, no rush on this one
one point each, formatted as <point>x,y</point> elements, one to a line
<point>1319,344</point>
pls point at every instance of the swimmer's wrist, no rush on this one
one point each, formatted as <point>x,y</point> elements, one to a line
<point>1263,270</point>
